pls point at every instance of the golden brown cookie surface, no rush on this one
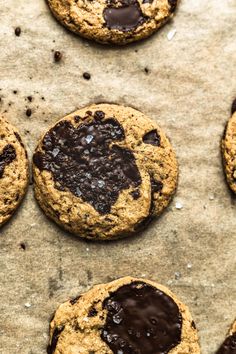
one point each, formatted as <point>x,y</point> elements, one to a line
<point>126,316</point>
<point>104,171</point>
<point>13,170</point>
<point>113,21</point>
<point>229,150</point>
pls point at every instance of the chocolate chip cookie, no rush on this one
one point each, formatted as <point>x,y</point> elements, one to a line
<point>13,170</point>
<point>229,345</point>
<point>229,149</point>
<point>104,171</point>
<point>113,21</point>
<point>126,316</point>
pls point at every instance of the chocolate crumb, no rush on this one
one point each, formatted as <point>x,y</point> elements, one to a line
<point>23,246</point>
<point>18,31</point>
<point>86,76</point>
<point>57,56</point>
<point>28,112</point>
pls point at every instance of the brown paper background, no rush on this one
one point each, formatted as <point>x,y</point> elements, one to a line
<point>188,91</point>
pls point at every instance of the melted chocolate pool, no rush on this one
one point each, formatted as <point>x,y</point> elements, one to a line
<point>85,161</point>
<point>127,17</point>
<point>141,320</point>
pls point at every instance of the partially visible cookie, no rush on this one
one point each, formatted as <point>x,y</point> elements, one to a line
<point>229,149</point>
<point>229,345</point>
<point>13,170</point>
<point>113,21</point>
<point>104,171</point>
<point>126,316</point>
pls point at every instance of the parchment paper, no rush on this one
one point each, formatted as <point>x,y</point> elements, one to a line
<point>188,90</point>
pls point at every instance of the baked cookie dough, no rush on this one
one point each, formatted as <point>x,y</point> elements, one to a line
<point>229,150</point>
<point>126,316</point>
<point>113,21</point>
<point>13,170</point>
<point>104,171</point>
<point>229,345</point>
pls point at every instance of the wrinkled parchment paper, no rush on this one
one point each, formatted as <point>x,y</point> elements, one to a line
<point>188,90</point>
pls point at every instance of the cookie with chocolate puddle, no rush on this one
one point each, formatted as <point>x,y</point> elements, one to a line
<point>104,171</point>
<point>13,170</point>
<point>229,344</point>
<point>228,147</point>
<point>113,21</point>
<point>126,316</point>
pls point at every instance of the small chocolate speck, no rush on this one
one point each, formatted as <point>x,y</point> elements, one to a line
<point>30,98</point>
<point>57,56</point>
<point>146,70</point>
<point>23,246</point>
<point>86,76</point>
<point>28,112</point>
<point>18,31</point>
<point>15,92</point>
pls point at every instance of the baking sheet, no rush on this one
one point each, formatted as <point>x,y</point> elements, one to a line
<point>188,90</point>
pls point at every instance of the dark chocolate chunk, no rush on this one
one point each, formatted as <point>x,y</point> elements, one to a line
<point>229,345</point>
<point>135,194</point>
<point>125,18</point>
<point>99,115</point>
<point>52,347</point>
<point>6,157</point>
<point>84,161</point>
<point>173,5</point>
<point>233,109</point>
<point>152,138</point>
<point>141,320</point>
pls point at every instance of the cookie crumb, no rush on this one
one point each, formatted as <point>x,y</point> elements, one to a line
<point>17,31</point>
<point>86,76</point>
<point>57,56</point>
